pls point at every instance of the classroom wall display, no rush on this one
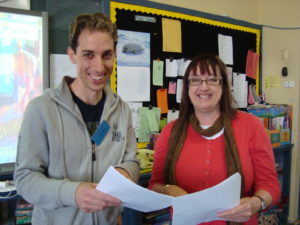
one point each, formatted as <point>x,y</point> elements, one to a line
<point>195,33</point>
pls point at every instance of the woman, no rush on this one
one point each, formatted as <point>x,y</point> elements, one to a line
<point>212,140</point>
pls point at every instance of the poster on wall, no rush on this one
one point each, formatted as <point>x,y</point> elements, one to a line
<point>133,66</point>
<point>133,48</point>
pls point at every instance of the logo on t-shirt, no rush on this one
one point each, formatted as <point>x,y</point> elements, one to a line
<point>116,135</point>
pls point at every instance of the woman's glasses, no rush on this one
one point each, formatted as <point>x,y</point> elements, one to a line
<point>210,81</point>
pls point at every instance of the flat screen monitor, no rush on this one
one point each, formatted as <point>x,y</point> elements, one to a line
<point>23,74</point>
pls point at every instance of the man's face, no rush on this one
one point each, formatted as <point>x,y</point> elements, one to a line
<point>94,59</point>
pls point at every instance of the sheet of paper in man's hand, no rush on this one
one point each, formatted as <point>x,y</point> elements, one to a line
<point>132,195</point>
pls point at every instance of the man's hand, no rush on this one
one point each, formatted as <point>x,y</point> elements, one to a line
<point>89,199</point>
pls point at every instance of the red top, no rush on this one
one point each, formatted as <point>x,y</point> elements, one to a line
<point>201,163</point>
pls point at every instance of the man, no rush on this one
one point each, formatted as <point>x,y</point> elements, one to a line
<point>72,134</point>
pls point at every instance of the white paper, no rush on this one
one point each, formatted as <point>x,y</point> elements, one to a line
<point>132,195</point>
<point>133,83</point>
<point>194,208</point>
<point>203,206</point>
<point>60,65</point>
<point>134,106</point>
<point>183,64</point>
<point>172,115</point>
<point>229,76</point>
<point>171,68</point>
<point>240,89</point>
<point>178,90</point>
<point>225,49</point>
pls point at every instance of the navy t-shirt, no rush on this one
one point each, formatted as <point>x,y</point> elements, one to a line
<point>91,113</point>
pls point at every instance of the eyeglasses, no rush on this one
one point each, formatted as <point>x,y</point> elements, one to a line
<point>210,81</point>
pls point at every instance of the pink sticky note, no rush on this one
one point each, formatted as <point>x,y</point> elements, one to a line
<point>172,88</point>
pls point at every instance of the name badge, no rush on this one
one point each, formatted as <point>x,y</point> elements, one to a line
<point>101,132</point>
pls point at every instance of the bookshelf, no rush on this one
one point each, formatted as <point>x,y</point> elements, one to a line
<point>14,209</point>
<point>277,119</point>
<point>8,199</point>
<point>283,165</point>
<point>7,209</point>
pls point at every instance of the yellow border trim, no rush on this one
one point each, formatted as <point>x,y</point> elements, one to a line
<point>118,5</point>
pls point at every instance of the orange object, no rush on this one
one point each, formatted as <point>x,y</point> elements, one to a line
<point>162,100</point>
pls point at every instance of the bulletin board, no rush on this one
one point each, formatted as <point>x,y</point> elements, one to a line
<point>199,35</point>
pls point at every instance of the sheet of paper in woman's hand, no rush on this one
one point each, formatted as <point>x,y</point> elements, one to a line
<point>202,206</point>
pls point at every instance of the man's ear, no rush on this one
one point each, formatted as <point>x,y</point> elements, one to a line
<point>71,55</point>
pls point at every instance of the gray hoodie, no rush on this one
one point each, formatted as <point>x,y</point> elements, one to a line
<point>55,156</point>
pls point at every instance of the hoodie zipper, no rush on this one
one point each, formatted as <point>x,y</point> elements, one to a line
<point>92,178</point>
<point>93,158</point>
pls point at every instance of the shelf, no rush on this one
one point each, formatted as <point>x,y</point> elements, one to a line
<point>9,195</point>
<point>8,221</point>
<point>283,161</point>
<point>144,179</point>
<point>283,148</point>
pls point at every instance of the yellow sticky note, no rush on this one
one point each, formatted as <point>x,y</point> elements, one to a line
<point>171,30</point>
<point>272,81</point>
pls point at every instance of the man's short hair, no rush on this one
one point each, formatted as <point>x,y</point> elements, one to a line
<point>93,22</point>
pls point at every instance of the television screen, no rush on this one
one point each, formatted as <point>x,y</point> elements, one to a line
<point>23,74</point>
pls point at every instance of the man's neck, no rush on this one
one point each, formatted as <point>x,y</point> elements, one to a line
<point>88,97</point>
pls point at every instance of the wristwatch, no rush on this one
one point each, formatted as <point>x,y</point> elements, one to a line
<point>263,205</point>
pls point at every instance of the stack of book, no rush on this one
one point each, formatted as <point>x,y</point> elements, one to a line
<point>277,119</point>
<point>159,217</point>
<point>23,212</point>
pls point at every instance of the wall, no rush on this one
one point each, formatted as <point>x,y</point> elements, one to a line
<point>281,13</point>
<point>60,15</point>
<point>18,4</point>
<point>284,13</point>
<point>246,10</point>
<point>273,41</point>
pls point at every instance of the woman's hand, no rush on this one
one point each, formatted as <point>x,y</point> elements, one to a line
<point>173,190</point>
<point>243,212</point>
<point>169,189</point>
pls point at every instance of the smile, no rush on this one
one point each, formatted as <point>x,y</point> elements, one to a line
<point>203,96</point>
<point>94,77</point>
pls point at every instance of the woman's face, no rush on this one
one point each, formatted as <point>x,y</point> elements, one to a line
<point>205,96</point>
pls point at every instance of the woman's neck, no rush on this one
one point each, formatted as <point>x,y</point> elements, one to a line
<point>207,118</point>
